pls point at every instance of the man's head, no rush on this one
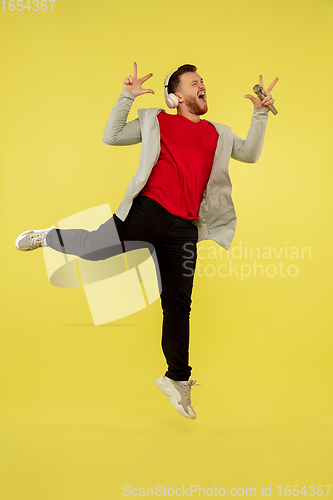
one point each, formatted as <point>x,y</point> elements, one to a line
<point>188,86</point>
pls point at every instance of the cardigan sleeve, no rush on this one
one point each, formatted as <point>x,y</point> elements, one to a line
<point>249,150</point>
<point>117,132</point>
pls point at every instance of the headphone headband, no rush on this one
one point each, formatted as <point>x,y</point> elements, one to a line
<point>167,80</point>
<point>170,99</point>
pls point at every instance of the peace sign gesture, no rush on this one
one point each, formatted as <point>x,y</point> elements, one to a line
<point>257,102</point>
<point>134,84</point>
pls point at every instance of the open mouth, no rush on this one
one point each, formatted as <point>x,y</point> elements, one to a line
<point>202,96</point>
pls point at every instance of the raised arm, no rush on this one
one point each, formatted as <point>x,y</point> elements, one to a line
<point>249,150</point>
<point>117,132</point>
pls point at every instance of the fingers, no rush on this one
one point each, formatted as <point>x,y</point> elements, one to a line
<point>249,96</point>
<point>268,100</point>
<point>148,91</point>
<point>145,78</point>
<point>131,79</point>
<point>258,103</point>
<point>261,82</point>
<point>272,84</point>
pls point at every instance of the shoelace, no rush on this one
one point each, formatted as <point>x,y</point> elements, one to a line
<point>36,240</point>
<point>187,388</point>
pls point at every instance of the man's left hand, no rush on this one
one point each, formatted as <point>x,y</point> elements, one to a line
<point>257,102</point>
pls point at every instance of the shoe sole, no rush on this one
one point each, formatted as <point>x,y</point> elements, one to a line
<point>171,393</point>
<point>21,236</point>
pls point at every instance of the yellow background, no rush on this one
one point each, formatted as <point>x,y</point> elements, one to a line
<point>80,412</point>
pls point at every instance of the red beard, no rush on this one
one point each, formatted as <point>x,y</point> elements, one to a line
<point>194,107</point>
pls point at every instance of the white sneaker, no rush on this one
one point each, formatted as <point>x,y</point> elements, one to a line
<point>30,240</point>
<point>179,394</point>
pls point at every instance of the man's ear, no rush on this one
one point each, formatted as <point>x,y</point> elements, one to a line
<point>179,96</point>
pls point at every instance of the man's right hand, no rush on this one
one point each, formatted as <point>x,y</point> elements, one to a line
<point>134,84</point>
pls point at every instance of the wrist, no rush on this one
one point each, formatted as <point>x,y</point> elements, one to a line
<point>261,111</point>
<point>127,93</point>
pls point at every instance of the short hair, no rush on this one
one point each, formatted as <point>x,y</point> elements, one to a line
<point>174,81</point>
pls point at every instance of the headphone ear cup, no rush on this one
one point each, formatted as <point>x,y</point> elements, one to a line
<point>172,101</point>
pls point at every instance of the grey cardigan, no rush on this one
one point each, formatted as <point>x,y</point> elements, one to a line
<point>217,212</point>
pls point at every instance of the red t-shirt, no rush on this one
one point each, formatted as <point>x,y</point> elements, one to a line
<point>180,175</point>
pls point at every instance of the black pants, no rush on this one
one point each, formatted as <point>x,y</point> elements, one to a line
<point>174,240</point>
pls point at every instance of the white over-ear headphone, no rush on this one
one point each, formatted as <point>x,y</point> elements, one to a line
<point>170,99</point>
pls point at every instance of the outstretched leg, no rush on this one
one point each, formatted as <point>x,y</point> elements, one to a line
<point>100,244</point>
<point>103,243</point>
